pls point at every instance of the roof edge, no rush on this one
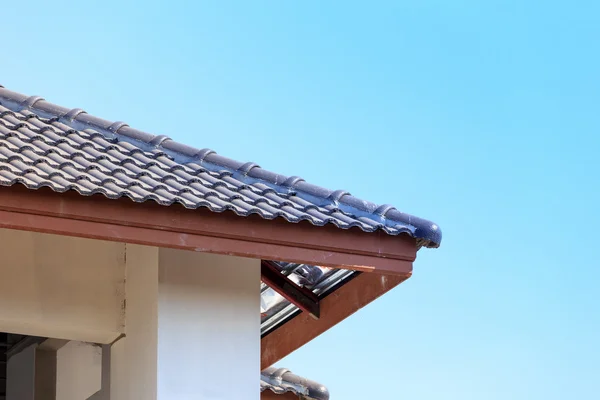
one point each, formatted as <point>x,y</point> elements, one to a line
<point>282,380</point>
<point>427,233</point>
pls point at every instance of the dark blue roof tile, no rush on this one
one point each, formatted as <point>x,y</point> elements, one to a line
<point>42,144</point>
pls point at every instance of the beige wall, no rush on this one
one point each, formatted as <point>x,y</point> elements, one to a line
<point>78,371</point>
<point>191,320</point>
<point>56,370</point>
<point>57,286</point>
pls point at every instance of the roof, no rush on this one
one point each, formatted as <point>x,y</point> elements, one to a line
<point>275,309</point>
<point>281,381</point>
<point>45,145</point>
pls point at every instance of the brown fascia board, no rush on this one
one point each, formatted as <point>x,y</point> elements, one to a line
<point>336,307</point>
<point>300,296</point>
<point>149,223</point>
<point>268,395</point>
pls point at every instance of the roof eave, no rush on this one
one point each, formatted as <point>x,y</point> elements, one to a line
<point>202,230</point>
<point>386,260</point>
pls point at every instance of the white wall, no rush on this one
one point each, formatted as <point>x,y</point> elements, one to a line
<point>209,326</point>
<point>200,337</point>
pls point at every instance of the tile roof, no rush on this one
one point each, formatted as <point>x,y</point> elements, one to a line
<point>281,381</point>
<point>42,144</point>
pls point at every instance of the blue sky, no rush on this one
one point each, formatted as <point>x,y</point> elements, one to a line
<point>482,116</point>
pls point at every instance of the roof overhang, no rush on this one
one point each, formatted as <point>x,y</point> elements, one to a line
<point>175,226</point>
<point>385,261</point>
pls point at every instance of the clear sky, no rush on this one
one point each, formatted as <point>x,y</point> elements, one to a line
<point>483,116</point>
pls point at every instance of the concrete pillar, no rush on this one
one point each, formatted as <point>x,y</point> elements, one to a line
<point>45,374</point>
<point>192,326</point>
<point>55,369</point>
<point>78,371</point>
<point>20,373</point>
<point>104,392</point>
<point>119,388</point>
<point>141,321</point>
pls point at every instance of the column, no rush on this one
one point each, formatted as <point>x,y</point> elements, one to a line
<point>20,374</point>
<point>78,371</point>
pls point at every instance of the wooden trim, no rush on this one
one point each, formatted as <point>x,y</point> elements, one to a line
<point>149,223</point>
<point>336,307</point>
<point>299,296</point>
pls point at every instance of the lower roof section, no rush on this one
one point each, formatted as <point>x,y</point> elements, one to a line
<point>281,381</point>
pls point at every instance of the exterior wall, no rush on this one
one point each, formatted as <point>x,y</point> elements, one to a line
<point>191,320</point>
<point>61,287</point>
<point>192,324</point>
<point>209,325</point>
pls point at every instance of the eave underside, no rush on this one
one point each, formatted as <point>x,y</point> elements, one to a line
<point>384,260</point>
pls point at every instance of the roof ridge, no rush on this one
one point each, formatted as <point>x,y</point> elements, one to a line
<point>429,233</point>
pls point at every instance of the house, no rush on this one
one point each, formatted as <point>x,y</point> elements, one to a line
<point>132,264</point>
